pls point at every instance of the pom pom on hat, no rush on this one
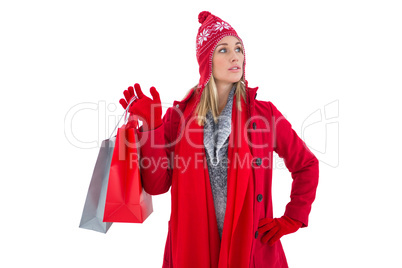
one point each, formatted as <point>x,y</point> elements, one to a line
<point>203,16</point>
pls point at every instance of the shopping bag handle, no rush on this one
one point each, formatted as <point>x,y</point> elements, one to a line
<point>124,114</point>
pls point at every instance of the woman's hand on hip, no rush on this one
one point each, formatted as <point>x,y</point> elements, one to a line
<point>274,229</point>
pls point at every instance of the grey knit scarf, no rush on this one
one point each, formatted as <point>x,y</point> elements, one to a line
<point>216,140</point>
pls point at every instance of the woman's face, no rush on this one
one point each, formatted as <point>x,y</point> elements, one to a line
<point>227,61</point>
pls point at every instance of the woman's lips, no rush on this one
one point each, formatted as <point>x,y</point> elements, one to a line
<point>235,69</point>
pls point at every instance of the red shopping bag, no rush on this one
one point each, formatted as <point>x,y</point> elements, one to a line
<point>126,200</point>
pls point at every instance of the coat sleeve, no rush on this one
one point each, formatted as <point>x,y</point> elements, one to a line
<point>156,156</point>
<point>302,164</point>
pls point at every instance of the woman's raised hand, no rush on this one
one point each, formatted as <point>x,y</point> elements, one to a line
<point>149,111</point>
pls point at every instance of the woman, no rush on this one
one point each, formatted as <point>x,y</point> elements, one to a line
<point>214,149</point>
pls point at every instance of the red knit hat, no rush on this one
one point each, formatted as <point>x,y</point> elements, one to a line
<point>211,31</point>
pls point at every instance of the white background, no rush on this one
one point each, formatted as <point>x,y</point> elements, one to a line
<point>303,55</point>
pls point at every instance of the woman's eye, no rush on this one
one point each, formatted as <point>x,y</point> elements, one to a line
<point>224,50</point>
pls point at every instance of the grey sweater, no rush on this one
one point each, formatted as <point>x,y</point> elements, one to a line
<point>216,140</point>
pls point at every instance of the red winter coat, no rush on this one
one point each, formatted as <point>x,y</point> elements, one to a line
<point>269,131</point>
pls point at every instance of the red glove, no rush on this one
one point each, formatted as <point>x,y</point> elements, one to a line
<point>276,228</point>
<point>148,111</point>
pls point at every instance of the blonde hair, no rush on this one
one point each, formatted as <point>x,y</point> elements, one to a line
<point>210,100</point>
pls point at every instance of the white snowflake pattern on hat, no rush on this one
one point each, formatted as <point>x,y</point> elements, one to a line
<point>203,37</point>
<point>221,25</point>
<point>210,30</point>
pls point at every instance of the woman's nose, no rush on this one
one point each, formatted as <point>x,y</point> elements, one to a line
<point>234,57</point>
